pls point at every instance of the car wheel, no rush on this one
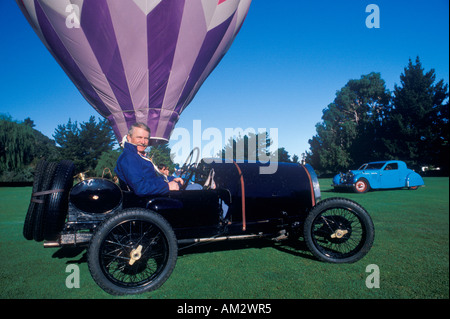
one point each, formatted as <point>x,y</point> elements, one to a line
<point>339,230</point>
<point>57,203</point>
<point>361,186</point>
<point>28,226</point>
<point>38,233</point>
<point>133,251</point>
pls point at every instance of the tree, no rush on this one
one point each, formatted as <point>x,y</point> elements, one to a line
<point>17,144</point>
<point>160,155</point>
<point>282,155</point>
<point>44,148</point>
<point>84,144</point>
<point>419,119</point>
<point>253,147</point>
<point>21,147</point>
<point>348,131</point>
<point>106,161</point>
<point>29,122</point>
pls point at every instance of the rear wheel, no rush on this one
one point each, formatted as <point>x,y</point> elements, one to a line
<point>132,252</point>
<point>339,230</point>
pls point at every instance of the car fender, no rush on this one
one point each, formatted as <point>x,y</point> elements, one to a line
<point>413,179</point>
<point>337,179</point>
<point>372,178</point>
<point>358,176</point>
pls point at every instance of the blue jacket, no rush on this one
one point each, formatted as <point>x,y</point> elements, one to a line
<point>139,173</point>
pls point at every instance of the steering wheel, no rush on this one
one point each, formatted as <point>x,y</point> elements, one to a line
<point>188,169</point>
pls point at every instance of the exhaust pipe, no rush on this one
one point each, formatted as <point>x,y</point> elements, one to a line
<point>51,244</point>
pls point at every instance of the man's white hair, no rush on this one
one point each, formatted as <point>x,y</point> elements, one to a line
<point>140,125</point>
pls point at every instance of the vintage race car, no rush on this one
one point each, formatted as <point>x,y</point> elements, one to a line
<point>132,242</point>
<point>378,175</point>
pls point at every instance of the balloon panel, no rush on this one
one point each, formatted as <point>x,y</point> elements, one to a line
<point>137,60</point>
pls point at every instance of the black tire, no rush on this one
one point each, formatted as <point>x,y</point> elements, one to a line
<point>38,233</point>
<point>339,230</point>
<point>129,232</point>
<point>57,203</point>
<point>361,186</point>
<point>28,226</point>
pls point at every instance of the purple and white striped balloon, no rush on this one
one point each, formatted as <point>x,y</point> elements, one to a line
<point>137,60</point>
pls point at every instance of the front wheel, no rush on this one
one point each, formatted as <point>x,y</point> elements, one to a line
<point>132,252</point>
<point>339,230</point>
<point>361,186</point>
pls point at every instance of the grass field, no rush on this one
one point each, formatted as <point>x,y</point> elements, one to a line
<point>411,250</point>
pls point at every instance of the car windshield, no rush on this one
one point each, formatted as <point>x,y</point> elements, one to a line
<point>372,166</point>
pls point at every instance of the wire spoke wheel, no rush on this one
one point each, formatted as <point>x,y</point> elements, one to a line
<point>121,263</point>
<point>339,230</point>
<point>337,233</point>
<point>132,252</point>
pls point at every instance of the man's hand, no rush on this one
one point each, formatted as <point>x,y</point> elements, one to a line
<point>173,186</point>
<point>179,180</point>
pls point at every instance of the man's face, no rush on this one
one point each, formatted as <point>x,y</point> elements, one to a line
<point>139,137</point>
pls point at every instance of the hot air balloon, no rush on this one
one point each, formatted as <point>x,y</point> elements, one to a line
<point>137,60</point>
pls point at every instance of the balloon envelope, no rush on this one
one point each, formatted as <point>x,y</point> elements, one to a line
<point>137,60</point>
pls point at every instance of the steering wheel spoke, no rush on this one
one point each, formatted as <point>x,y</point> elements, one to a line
<point>189,167</point>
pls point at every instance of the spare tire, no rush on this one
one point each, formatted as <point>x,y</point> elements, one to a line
<point>46,184</point>
<point>57,202</point>
<point>36,201</point>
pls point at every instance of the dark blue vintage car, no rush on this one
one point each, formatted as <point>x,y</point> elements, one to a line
<point>132,242</point>
<point>378,175</point>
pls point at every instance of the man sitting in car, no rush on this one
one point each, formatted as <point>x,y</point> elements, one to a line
<point>136,170</point>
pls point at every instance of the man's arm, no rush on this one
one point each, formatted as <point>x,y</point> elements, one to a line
<point>141,177</point>
<point>174,186</point>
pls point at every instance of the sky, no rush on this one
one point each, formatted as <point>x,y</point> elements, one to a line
<point>283,69</point>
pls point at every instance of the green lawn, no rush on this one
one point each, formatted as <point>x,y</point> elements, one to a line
<point>411,250</point>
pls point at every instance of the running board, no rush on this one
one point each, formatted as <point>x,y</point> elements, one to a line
<point>215,239</point>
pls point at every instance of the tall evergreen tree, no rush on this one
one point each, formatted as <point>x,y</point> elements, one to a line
<point>248,147</point>
<point>419,119</point>
<point>160,155</point>
<point>107,161</point>
<point>84,144</point>
<point>347,133</point>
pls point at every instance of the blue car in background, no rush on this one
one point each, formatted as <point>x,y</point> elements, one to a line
<point>378,175</point>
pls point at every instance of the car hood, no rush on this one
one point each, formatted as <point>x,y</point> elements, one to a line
<point>364,171</point>
<point>356,171</point>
